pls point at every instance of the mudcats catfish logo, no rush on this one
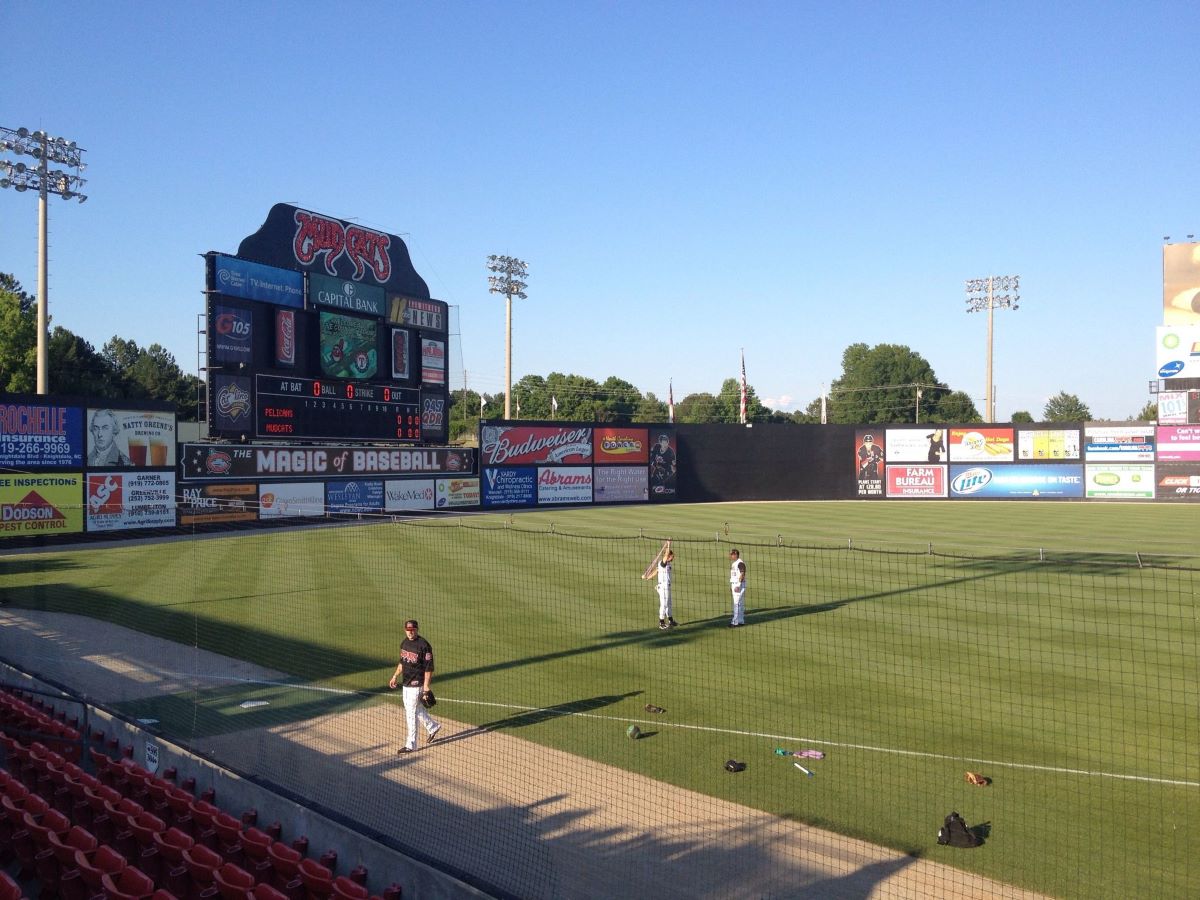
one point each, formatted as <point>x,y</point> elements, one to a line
<point>318,235</point>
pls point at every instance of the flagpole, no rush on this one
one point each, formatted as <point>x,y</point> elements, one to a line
<point>671,401</point>
<point>742,404</point>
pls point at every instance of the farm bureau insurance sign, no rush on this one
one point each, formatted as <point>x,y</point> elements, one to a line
<point>511,445</point>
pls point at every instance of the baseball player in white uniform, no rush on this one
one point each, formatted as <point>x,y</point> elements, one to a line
<point>665,620</point>
<point>737,586</point>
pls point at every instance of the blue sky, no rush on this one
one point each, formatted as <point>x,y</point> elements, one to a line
<point>684,179</point>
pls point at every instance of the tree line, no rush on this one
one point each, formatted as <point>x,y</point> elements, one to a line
<point>884,384</point>
<point>118,371</point>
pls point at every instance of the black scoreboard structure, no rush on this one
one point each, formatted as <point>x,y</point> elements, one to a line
<point>319,329</point>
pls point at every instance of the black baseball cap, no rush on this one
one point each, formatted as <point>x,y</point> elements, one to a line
<point>411,623</point>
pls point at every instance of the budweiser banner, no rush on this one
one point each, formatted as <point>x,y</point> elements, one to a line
<point>511,445</point>
<point>238,462</point>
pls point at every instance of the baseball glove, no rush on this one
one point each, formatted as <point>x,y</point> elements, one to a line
<point>428,700</point>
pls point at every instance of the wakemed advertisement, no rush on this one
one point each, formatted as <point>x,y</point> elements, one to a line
<point>122,500</point>
<point>41,504</point>
<point>416,493</point>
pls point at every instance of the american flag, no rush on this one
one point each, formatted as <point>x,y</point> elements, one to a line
<point>671,402</point>
<point>742,407</point>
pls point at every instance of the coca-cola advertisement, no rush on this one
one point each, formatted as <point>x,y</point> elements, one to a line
<point>285,337</point>
<point>513,445</point>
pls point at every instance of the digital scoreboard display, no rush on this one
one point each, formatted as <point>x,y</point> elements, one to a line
<point>315,409</point>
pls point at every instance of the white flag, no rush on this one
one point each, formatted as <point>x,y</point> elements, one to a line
<point>481,406</point>
<point>553,403</point>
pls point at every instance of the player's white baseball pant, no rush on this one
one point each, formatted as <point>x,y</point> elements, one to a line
<point>664,600</point>
<point>413,710</point>
<point>739,604</point>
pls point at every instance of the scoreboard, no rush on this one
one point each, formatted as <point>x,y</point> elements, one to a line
<point>296,353</point>
<point>325,410</point>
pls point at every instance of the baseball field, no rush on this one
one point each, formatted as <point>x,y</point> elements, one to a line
<point>1052,648</point>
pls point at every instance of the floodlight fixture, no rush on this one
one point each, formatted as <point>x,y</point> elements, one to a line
<point>66,184</point>
<point>993,292</point>
<point>507,278</point>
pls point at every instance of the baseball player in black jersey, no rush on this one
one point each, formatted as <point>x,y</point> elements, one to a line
<point>415,670</point>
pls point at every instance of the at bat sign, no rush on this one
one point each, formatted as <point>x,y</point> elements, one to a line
<point>653,567</point>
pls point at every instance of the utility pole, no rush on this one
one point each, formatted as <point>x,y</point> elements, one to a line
<point>983,293</point>
<point>508,278</point>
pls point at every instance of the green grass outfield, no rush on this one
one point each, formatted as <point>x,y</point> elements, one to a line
<point>1053,647</point>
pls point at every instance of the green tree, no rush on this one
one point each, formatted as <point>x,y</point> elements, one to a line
<point>531,397</point>
<point>956,406</point>
<point>1064,407</point>
<point>729,403</point>
<point>698,409</point>
<point>1021,416</point>
<point>76,368</point>
<point>879,384</point>
<point>650,409</point>
<point>620,399</point>
<point>18,338</point>
<point>1148,413</point>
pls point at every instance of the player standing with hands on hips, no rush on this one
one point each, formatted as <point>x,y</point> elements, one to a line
<point>737,585</point>
<point>415,669</point>
<point>665,620</point>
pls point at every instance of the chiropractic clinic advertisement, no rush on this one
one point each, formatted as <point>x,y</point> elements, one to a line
<point>509,487</point>
<point>40,436</point>
<point>41,504</point>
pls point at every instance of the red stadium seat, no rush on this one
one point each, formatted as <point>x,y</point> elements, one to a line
<point>285,862</point>
<point>161,894</point>
<point>131,883</point>
<point>52,821</point>
<point>62,858</point>
<point>346,889</point>
<point>317,880</point>
<point>203,830</point>
<point>180,803</point>
<point>104,860</point>
<point>172,873</point>
<point>233,882</point>
<point>255,844</point>
<point>201,863</point>
<point>229,834</point>
<point>9,889</point>
<point>267,892</point>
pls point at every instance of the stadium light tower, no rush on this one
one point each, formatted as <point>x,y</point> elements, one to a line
<point>985,293</point>
<point>41,178</point>
<point>507,278</point>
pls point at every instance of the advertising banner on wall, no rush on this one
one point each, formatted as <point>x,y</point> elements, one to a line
<point>1177,482</point>
<point>509,487</point>
<point>254,281</point>
<point>232,334</point>
<point>455,493</point>
<point>41,504</point>
<point>40,436</point>
<point>427,315</point>
<point>348,346</point>
<point>1177,351</point>
<point>1018,480</point>
<point>1181,284</point>
<point>1172,407</point>
<point>286,500</point>
<point>564,484</point>
<point>433,361</point>
<point>232,462</point>
<point>1179,443</point>
<point>417,493</point>
<point>208,504</point>
<point>349,296</point>
<point>285,338</point>
<point>915,481</point>
<point>123,437</point>
<point>354,496</point>
<point>511,445</point>
<point>401,363</point>
<point>1047,443</point>
<point>868,460</point>
<point>916,445</point>
<point>980,444</point>
<point>621,484</point>
<point>230,403</point>
<point>1126,443</point>
<point>1117,481</point>
<point>121,500</point>
<point>621,445</point>
<point>663,469</point>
